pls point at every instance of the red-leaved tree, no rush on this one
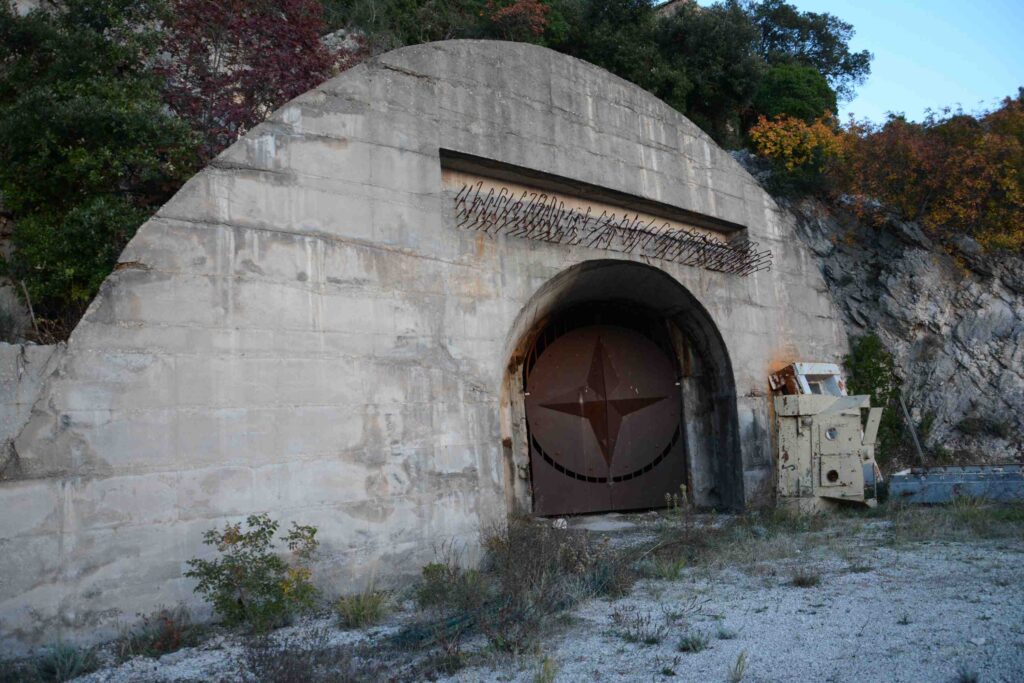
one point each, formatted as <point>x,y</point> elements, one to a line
<point>228,64</point>
<point>518,19</point>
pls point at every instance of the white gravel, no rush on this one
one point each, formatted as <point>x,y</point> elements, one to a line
<point>914,613</point>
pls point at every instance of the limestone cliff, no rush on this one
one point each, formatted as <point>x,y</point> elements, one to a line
<point>951,314</point>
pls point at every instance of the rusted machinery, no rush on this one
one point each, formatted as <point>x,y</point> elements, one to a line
<point>826,439</point>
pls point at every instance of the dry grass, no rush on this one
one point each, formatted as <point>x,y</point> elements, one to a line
<point>965,519</point>
<point>362,609</point>
<point>531,575</point>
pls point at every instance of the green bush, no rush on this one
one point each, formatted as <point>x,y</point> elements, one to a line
<point>872,370</point>
<point>249,583</point>
<point>87,148</point>
<point>795,90</point>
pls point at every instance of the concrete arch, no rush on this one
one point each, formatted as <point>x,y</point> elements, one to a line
<point>304,330</point>
<point>698,341</point>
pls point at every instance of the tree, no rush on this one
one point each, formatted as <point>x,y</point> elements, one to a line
<point>714,47</point>
<point>953,172</point>
<point>794,90</point>
<point>87,149</point>
<point>229,64</point>
<point>620,36</point>
<point>819,40</point>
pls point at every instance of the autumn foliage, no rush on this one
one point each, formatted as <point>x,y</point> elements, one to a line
<point>228,64</point>
<point>515,18</point>
<point>954,173</point>
<point>803,153</point>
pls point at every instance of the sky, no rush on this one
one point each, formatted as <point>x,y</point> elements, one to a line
<point>931,53</point>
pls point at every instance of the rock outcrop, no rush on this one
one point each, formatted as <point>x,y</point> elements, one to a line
<point>950,313</point>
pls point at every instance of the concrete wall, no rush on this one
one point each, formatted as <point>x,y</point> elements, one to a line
<point>302,330</point>
<point>24,368</point>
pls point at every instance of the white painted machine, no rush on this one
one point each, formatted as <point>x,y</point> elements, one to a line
<point>826,439</point>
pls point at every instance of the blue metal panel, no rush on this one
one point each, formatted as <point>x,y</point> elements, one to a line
<point>943,484</point>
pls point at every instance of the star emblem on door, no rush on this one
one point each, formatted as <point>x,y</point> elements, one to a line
<point>592,403</point>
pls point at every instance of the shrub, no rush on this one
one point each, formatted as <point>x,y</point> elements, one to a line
<point>801,153</point>
<point>251,584</point>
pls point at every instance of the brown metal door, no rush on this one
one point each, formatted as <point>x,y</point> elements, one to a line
<point>603,413</point>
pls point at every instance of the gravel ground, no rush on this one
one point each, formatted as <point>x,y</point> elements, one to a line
<point>926,612</point>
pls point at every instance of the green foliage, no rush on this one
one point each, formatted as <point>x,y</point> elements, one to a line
<point>794,90</point>
<point>708,62</point>
<point>713,47</point>
<point>389,24</point>
<point>872,370</point>
<point>87,149</point>
<point>251,584</point>
<point>819,40</point>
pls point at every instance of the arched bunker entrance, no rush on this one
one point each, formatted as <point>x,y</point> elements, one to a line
<point>619,390</point>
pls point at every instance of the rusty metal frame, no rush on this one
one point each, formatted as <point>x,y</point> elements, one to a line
<point>538,216</point>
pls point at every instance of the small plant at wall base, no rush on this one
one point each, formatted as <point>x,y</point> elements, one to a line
<point>249,583</point>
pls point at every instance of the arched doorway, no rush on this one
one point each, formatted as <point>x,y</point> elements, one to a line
<point>603,412</point>
<point>620,390</point>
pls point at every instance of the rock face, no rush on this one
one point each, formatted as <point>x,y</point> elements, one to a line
<point>952,315</point>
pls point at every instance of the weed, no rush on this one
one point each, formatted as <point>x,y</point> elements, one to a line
<point>530,575</point>
<point>805,578</point>
<point>904,620</point>
<point>548,671</point>
<point>965,674</point>
<point>164,631</point>
<point>668,569</point>
<point>361,609</point>
<point>251,584</point>
<point>739,668</point>
<point>636,627</point>
<point>693,641</point>
<point>724,633</point>
<point>667,669</point>
<point>963,519</point>
<point>63,662</point>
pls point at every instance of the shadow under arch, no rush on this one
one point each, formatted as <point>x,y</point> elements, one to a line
<point>699,343</point>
